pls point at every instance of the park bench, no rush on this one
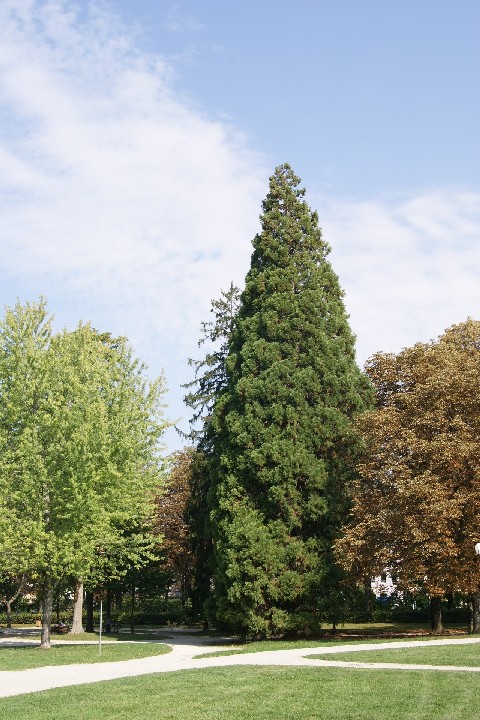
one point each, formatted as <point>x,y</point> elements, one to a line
<point>111,626</point>
<point>60,629</point>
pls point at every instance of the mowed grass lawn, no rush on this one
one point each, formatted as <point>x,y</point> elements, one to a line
<point>259,693</point>
<point>458,655</point>
<point>22,658</point>
<point>261,645</point>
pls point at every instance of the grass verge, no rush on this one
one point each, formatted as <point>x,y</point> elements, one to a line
<point>459,655</point>
<point>246,693</point>
<point>22,658</point>
<point>140,636</point>
<point>262,645</point>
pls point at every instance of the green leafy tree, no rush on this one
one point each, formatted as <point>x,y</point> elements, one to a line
<point>283,446</point>
<point>79,448</point>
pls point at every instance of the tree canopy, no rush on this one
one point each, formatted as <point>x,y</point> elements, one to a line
<point>416,502</point>
<point>283,448</point>
<point>80,458</point>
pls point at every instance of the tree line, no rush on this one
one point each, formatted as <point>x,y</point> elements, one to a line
<point>80,459</point>
<point>304,476</point>
<point>310,476</point>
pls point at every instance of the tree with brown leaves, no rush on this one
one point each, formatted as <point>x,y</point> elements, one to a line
<point>416,503</point>
<point>172,524</point>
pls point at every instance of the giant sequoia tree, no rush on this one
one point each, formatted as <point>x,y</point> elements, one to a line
<point>282,442</point>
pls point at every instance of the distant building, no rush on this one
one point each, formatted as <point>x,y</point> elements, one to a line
<point>383,586</point>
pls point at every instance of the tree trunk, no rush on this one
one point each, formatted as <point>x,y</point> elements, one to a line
<point>132,610</point>
<point>77,626</point>
<point>47,606</point>
<point>367,585</point>
<point>89,605</point>
<point>8,603</point>
<point>476,613</point>
<point>436,615</point>
<point>108,604</point>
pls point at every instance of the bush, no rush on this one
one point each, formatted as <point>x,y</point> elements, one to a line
<point>158,612</point>
<point>22,617</point>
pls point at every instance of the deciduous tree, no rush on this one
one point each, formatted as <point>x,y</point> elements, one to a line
<point>171,521</point>
<point>416,503</point>
<point>79,447</point>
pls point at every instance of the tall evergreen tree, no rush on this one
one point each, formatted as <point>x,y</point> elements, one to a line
<point>209,381</point>
<point>210,373</point>
<point>283,446</point>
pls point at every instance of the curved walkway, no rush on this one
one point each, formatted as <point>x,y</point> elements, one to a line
<point>185,648</point>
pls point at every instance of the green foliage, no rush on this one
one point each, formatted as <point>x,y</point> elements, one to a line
<point>209,382</point>
<point>210,372</point>
<point>79,451</point>
<point>283,446</point>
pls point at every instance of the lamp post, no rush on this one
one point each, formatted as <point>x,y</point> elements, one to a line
<point>476,601</point>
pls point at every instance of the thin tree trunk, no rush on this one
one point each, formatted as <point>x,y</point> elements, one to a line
<point>436,615</point>
<point>108,604</point>
<point>367,585</point>
<point>77,626</point>
<point>89,605</point>
<point>47,607</point>
<point>476,613</point>
<point>132,610</point>
<point>9,601</point>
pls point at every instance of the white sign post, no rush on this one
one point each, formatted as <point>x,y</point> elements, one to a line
<point>100,633</point>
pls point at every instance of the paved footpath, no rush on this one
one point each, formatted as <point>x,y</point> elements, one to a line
<point>185,648</point>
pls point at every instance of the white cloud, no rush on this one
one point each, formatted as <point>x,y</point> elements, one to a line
<point>128,206</point>
<point>109,178</point>
<point>409,266</point>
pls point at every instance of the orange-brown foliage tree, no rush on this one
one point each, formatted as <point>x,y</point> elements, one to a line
<point>416,503</point>
<point>171,522</point>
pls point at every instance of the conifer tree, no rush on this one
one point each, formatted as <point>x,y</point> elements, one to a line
<point>210,373</point>
<point>208,383</point>
<point>283,446</point>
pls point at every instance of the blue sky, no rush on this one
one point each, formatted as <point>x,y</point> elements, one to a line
<point>136,141</point>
